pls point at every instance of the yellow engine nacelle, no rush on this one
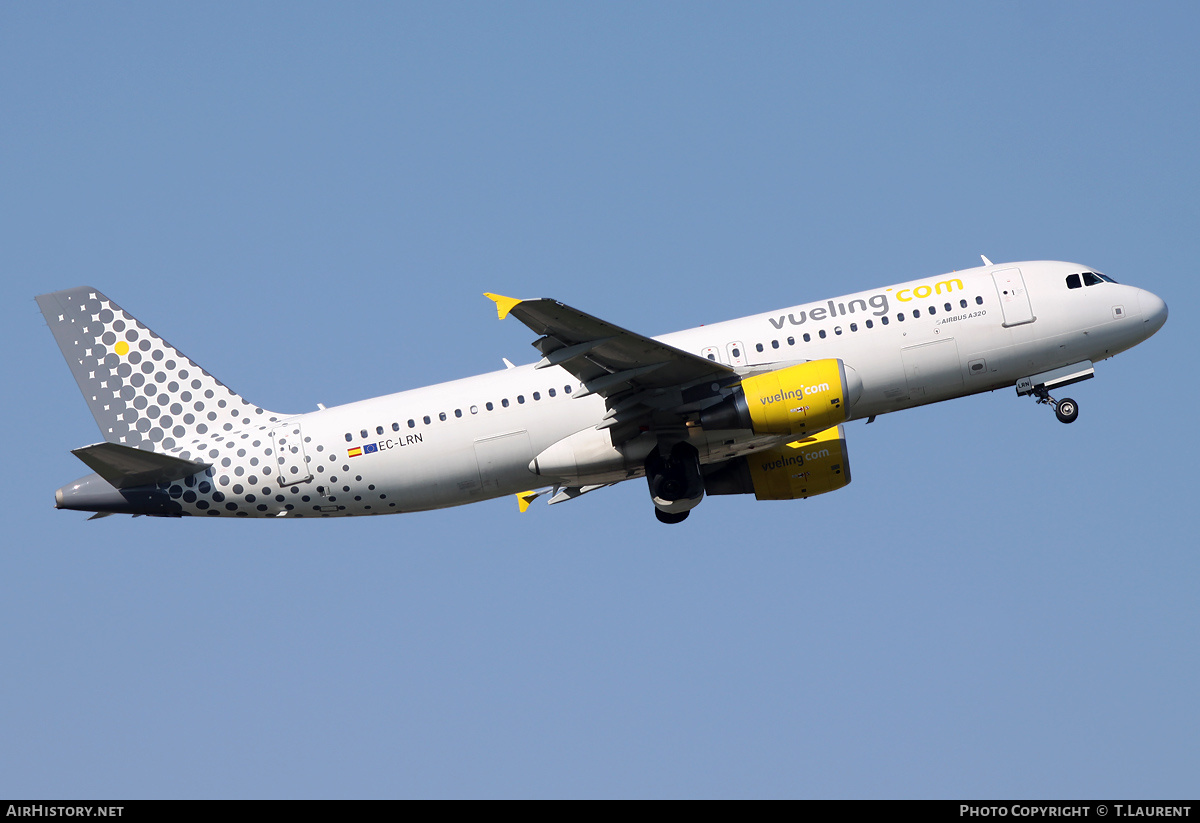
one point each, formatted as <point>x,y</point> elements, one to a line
<point>803,399</point>
<point>800,469</point>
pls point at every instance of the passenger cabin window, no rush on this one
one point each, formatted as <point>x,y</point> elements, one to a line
<point>364,434</point>
<point>962,303</point>
<point>504,402</point>
<point>379,429</point>
<point>488,405</point>
<point>821,334</point>
<point>758,347</point>
<point>395,427</point>
<point>426,419</point>
<point>551,392</point>
<point>412,424</point>
<point>807,337</point>
<point>979,301</point>
<point>458,412</point>
<point>348,437</point>
<point>884,320</point>
<point>441,416</point>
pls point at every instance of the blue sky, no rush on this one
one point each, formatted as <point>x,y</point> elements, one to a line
<point>309,200</point>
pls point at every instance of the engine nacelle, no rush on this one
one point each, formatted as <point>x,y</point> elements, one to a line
<point>803,399</point>
<point>800,469</point>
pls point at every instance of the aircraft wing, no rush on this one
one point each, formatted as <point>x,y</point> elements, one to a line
<point>644,383</point>
<point>607,359</point>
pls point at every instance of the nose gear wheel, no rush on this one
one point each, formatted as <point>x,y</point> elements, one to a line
<point>1066,410</point>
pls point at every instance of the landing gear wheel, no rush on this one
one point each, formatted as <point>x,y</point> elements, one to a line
<point>1066,410</point>
<point>667,517</point>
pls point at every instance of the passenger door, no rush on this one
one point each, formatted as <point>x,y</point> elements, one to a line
<point>1014,297</point>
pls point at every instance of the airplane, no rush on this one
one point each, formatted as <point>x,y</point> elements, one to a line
<point>755,406</point>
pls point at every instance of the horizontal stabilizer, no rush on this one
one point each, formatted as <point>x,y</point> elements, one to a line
<point>125,467</point>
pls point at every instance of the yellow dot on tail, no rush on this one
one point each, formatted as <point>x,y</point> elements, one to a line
<point>122,348</point>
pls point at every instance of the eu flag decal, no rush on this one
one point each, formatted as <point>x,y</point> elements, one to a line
<point>370,448</point>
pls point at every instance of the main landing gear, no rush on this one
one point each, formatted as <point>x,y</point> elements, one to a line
<point>1066,410</point>
<point>676,485</point>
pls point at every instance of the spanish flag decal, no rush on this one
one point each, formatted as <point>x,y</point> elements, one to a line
<point>355,452</point>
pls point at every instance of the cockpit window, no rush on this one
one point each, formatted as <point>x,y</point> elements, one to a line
<point>1105,277</point>
<point>1091,279</point>
<point>1073,282</point>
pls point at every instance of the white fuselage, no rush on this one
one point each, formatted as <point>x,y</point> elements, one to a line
<point>472,439</point>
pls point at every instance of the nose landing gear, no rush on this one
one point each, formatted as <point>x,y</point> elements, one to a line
<point>1066,410</point>
<point>1039,385</point>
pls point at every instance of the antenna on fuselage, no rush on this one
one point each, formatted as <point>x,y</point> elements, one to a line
<point>987,262</point>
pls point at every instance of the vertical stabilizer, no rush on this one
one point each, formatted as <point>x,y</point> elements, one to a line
<point>142,391</point>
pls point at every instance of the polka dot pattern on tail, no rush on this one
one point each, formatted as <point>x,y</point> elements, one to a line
<point>129,374</point>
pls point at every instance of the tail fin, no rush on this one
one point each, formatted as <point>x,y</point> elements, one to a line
<point>141,390</point>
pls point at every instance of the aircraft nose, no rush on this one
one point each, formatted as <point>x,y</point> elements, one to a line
<point>1154,310</point>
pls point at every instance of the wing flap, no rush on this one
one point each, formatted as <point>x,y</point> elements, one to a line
<point>125,467</point>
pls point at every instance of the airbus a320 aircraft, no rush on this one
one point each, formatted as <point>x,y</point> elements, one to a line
<point>750,406</point>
